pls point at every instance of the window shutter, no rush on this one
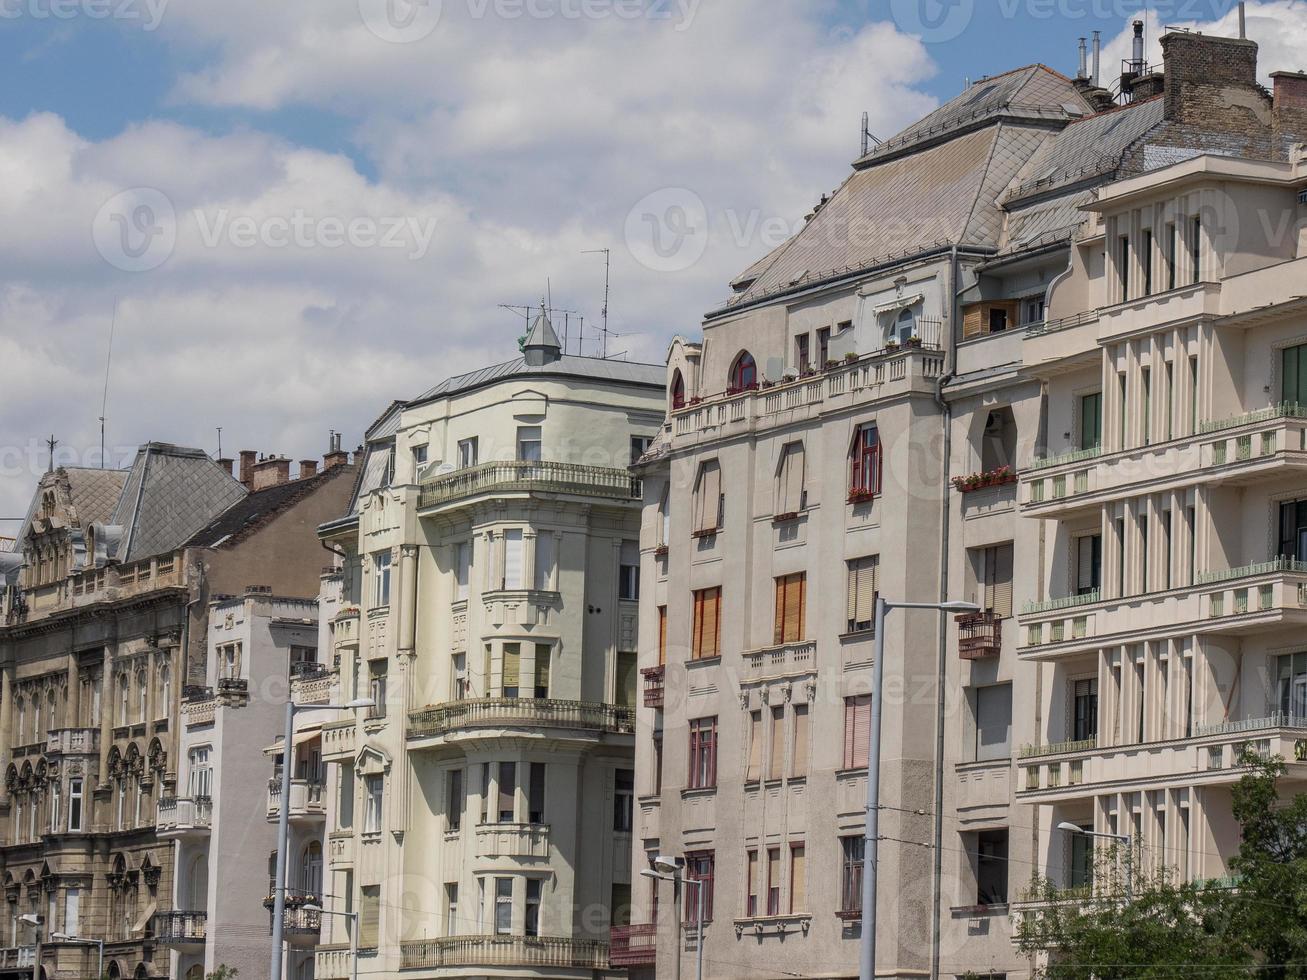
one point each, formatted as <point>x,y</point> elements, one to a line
<point>863,586</point>
<point>798,878</point>
<point>369,915</point>
<point>542,667</point>
<point>544,561</point>
<point>857,730</point>
<point>1003,581</point>
<point>993,722</point>
<point>799,764</point>
<point>696,639</point>
<point>513,559</point>
<point>709,497</point>
<point>778,629</point>
<point>754,772</point>
<point>776,761</point>
<point>512,668</point>
<point>712,623</point>
<point>792,475</point>
<point>662,635</point>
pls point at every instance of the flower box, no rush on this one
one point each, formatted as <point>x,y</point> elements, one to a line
<point>1000,477</point>
<point>785,518</point>
<point>661,551</point>
<point>861,496</point>
<point>731,392</point>
<point>710,532</point>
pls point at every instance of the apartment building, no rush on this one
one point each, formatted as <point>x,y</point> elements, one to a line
<point>914,398</point>
<point>479,815</point>
<point>104,632</point>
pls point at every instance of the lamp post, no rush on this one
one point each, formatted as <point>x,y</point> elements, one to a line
<point>283,821</point>
<point>63,937</point>
<point>871,837</point>
<point>353,935</point>
<point>671,869</point>
<point>1070,828</point>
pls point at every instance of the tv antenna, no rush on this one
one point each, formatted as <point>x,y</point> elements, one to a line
<point>608,265</point>
<point>104,398</point>
<point>525,313</point>
<point>867,136</point>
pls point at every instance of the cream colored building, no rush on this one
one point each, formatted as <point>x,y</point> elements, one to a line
<point>940,416</point>
<point>478,819</point>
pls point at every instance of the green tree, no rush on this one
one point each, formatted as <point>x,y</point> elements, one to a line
<point>223,972</point>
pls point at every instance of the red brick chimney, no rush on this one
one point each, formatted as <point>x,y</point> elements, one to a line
<point>228,464</point>
<point>335,456</point>
<point>271,472</point>
<point>1290,106</point>
<point>1211,82</point>
<point>248,456</point>
<point>308,468</point>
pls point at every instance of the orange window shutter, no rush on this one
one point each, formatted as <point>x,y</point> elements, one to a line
<point>715,614</point>
<point>696,642</point>
<point>778,632</point>
<point>662,635</point>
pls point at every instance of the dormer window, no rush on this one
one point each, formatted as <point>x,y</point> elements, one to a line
<point>744,373</point>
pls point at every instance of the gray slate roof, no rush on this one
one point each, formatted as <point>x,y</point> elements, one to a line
<point>569,366</point>
<point>171,492</point>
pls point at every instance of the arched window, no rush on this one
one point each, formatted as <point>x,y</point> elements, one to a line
<point>678,391</point>
<point>906,326</point>
<point>21,705</point>
<point>865,463</point>
<point>165,691</point>
<point>52,715</point>
<point>143,694</point>
<point>36,717</point>
<point>744,372</point>
<point>124,700</point>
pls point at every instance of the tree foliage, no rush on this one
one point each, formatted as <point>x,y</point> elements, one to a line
<point>1252,926</point>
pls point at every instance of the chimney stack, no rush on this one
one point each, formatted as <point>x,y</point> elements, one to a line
<point>271,472</point>
<point>1211,83</point>
<point>1289,113</point>
<point>1083,72</point>
<point>228,464</point>
<point>1137,62</point>
<point>334,456</point>
<point>1098,58</point>
<point>308,468</point>
<point>1243,20</point>
<point>248,457</point>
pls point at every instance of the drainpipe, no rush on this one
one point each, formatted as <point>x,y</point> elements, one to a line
<point>950,364</point>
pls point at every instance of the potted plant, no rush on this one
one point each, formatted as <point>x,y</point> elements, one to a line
<point>850,358</point>
<point>912,342</point>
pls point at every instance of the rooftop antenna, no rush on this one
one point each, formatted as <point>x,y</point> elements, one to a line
<point>104,398</point>
<point>51,442</point>
<point>220,442</point>
<point>608,265</point>
<point>868,137</point>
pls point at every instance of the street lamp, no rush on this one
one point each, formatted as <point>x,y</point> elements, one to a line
<point>283,820</point>
<point>867,949</point>
<point>63,937</point>
<point>353,935</point>
<point>671,869</point>
<point>1070,828</point>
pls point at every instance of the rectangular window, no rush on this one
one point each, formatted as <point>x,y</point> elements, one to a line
<point>513,552</point>
<point>503,906</point>
<point>623,801</point>
<point>541,680</point>
<point>506,783</point>
<point>992,571</point>
<point>72,912</point>
<point>1196,249</point>
<point>823,347</point>
<point>753,772</point>
<point>1146,377</point>
<point>1089,563</point>
<point>369,916</point>
<point>1293,375</point>
<point>1291,679</point>
<point>864,479</point>
<point>703,753</point>
<point>1091,420</point>
<point>454,799</point>
<point>1032,311</point>
<point>662,635</point>
<point>54,806</point>
<point>345,796</point>
<point>639,446</point>
<point>419,458</point>
<point>799,758</point>
<point>773,881</point>
<point>510,676</point>
<point>706,639</point>
<point>377,689</point>
<point>485,792</point>
<point>1148,263</point>
<point>993,722</point>
<point>791,599</point>
<point>851,852</point>
<point>467,453</point>
<point>798,879</point>
<point>628,571</point>
<point>462,569</point>
<point>1172,254</point>
<point>991,867</point>
<point>546,546</point>
<point>751,883</point>
<point>862,591</point>
<point>776,759</point>
<point>74,805</point>
<point>451,908</point>
<point>997,319</point>
<point>381,578</point>
<point>1085,713</point>
<point>1123,265</point>
<point>528,443</point>
<point>535,798</point>
<point>534,887</point>
<point>791,497</point>
<point>1081,871</point>
<point>1125,407</point>
<point>699,866</point>
<point>857,730</point>
<point>619,901</point>
<point>372,813</point>
<point>708,499</point>
<point>802,358</point>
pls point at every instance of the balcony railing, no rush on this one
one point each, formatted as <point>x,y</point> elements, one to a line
<point>980,635</point>
<point>1064,602</point>
<point>17,957</point>
<point>654,685</point>
<point>545,476</point>
<point>180,928</point>
<point>1058,748</point>
<point>1285,410</point>
<point>632,945</point>
<point>509,951</point>
<point>1277,720</point>
<point>519,713</point>
<point>1273,567</point>
<point>73,741</point>
<point>1062,459</point>
<point>305,798</point>
<point>185,813</point>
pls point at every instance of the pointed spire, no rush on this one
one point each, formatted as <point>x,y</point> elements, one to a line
<point>542,345</point>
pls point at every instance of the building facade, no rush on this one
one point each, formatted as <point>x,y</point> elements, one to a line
<point>479,814</point>
<point>939,417</point>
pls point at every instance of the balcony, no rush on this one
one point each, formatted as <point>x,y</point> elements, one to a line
<point>505,951</point>
<point>654,685</point>
<point>457,717</point>
<point>345,628</point>
<point>516,840</point>
<point>980,635</point>
<point>184,816</point>
<point>1065,771</point>
<point>305,800</point>
<point>17,957</point>
<point>180,929</point>
<point>73,741</point>
<point>338,741</point>
<point>632,945</point>
<point>1229,602</point>
<point>333,962</point>
<point>311,684</point>
<point>784,660</point>
<point>528,477</point>
<point>301,926</point>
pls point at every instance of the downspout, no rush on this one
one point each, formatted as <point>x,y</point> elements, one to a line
<point>950,364</point>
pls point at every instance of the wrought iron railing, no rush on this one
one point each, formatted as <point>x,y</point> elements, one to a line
<point>1284,410</point>
<point>1071,456</point>
<point>1274,566</point>
<point>180,927</point>
<point>979,635</point>
<point>632,945</point>
<point>1063,602</point>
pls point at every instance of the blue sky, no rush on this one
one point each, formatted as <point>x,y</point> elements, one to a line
<point>302,210</point>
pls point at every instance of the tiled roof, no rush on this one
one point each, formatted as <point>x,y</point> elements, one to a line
<point>171,493</point>
<point>93,492</point>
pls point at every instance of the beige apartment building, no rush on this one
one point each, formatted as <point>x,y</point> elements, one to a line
<point>479,818</point>
<point>1041,352</point>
